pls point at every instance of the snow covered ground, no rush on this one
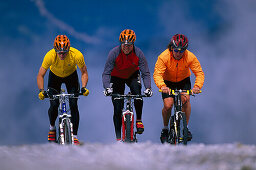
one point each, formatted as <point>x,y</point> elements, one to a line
<point>121,156</point>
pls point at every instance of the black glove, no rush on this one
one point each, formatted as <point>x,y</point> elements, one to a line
<point>148,92</point>
<point>108,91</point>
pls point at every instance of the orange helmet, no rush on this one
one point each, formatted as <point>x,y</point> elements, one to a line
<point>61,43</point>
<point>127,36</point>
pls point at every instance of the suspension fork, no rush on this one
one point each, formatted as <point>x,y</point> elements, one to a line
<point>129,105</point>
<point>178,103</point>
<point>61,128</point>
<point>128,112</point>
<point>63,111</point>
<point>177,110</point>
<point>128,108</point>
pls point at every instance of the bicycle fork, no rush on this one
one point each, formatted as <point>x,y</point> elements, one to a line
<point>64,117</point>
<point>175,124</point>
<point>127,126</point>
<point>61,126</point>
<point>177,116</point>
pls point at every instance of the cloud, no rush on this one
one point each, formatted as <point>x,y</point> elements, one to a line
<point>64,26</point>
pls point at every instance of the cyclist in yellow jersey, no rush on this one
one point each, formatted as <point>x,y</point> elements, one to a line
<point>63,61</point>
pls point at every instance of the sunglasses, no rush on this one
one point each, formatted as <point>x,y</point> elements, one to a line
<point>61,53</point>
<point>181,51</point>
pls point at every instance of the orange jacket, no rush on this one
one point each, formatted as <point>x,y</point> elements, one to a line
<point>167,68</point>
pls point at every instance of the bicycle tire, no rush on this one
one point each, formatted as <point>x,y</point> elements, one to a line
<point>185,128</point>
<point>59,133</point>
<point>128,130</point>
<point>178,137</point>
<point>172,135</point>
<point>67,132</point>
<point>58,137</point>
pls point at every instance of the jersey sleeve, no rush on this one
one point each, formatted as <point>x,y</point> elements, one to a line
<point>198,71</point>
<point>160,68</point>
<point>48,59</point>
<point>109,66</point>
<point>143,65</point>
<point>79,59</point>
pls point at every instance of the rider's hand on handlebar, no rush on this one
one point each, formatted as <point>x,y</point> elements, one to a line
<point>41,95</point>
<point>148,92</point>
<point>166,90</point>
<point>108,91</point>
<point>196,90</point>
<point>84,91</point>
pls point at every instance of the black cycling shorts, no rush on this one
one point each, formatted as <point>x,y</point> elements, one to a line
<point>183,84</point>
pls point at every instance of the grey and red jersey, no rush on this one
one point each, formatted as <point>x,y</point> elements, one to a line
<point>123,66</point>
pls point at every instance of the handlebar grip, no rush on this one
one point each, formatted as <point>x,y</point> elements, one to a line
<point>78,94</point>
<point>172,91</point>
<point>46,94</point>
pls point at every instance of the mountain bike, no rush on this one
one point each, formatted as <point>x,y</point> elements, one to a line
<point>178,124</point>
<point>65,127</point>
<point>128,134</point>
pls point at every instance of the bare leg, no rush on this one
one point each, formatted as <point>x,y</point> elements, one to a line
<point>166,111</point>
<point>186,107</point>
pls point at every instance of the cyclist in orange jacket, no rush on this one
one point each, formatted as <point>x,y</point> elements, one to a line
<point>62,61</point>
<point>172,71</point>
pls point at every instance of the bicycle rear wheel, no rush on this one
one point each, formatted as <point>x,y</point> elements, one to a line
<point>67,131</point>
<point>184,127</point>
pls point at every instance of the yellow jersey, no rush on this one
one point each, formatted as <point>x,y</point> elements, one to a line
<point>66,67</point>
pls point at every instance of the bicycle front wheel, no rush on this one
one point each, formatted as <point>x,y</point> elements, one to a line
<point>128,129</point>
<point>185,128</point>
<point>172,135</point>
<point>67,131</point>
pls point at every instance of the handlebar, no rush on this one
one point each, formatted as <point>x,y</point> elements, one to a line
<point>57,96</point>
<point>125,96</point>
<point>176,92</point>
<point>61,95</point>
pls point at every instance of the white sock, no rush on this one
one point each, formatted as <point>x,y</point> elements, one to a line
<point>52,127</point>
<point>75,136</point>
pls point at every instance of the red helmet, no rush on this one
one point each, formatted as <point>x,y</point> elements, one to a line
<point>127,36</point>
<point>179,42</point>
<point>61,43</point>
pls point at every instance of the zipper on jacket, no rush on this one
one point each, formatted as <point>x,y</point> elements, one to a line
<point>177,72</point>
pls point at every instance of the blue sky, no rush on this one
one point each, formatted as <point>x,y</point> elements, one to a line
<point>220,34</point>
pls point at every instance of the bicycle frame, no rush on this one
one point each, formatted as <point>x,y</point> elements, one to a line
<point>64,118</point>
<point>65,135</point>
<point>176,120</point>
<point>128,134</point>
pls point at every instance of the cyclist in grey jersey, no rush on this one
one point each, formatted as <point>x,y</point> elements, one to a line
<point>111,62</point>
<point>126,64</point>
